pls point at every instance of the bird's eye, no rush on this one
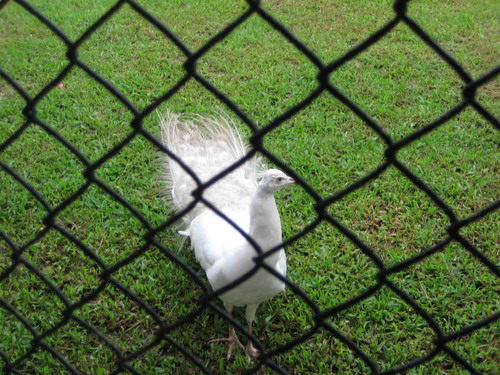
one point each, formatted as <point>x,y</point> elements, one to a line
<point>280,179</point>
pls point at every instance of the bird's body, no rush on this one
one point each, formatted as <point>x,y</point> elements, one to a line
<point>225,255</point>
<point>208,146</point>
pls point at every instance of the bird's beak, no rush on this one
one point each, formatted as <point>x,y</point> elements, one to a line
<point>291,180</point>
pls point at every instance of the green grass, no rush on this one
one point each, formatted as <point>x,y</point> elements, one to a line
<point>400,82</point>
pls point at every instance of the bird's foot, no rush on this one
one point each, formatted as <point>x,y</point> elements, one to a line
<point>251,351</point>
<point>231,341</point>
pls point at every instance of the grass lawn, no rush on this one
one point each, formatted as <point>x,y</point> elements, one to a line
<point>400,82</point>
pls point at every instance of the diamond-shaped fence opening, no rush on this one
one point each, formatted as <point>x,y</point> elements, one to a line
<point>393,237</point>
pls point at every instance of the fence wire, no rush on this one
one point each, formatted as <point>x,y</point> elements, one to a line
<point>124,362</point>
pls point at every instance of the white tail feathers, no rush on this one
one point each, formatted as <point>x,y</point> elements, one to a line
<point>207,145</point>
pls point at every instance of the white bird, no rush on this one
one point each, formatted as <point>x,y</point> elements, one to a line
<point>208,145</point>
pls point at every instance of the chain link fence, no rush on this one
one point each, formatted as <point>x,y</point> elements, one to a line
<point>124,360</point>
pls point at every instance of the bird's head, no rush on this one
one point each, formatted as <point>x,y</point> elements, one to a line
<point>273,180</point>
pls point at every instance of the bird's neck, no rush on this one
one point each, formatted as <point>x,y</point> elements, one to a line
<point>265,224</point>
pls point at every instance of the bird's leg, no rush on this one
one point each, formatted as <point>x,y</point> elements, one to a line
<point>232,339</point>
<point>249,315</point>
<point>251,351</point>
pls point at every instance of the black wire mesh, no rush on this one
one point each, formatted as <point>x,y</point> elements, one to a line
<point>124,362</point>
